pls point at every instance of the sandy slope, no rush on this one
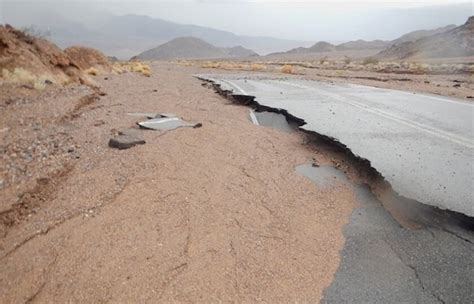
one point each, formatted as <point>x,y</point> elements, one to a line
<point>194,215</point>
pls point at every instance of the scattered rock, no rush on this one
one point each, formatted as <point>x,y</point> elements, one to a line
<point>457,85</point>
<point>122,142</point>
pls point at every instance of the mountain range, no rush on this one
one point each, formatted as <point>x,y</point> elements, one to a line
<point>323,46</point>
<point>192,48</point>
<point>450,42</point>
<point>128,35</point>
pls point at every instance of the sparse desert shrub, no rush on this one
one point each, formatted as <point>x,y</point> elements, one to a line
<point>323,60</point>
<point>257,67</point>
<point>146,72</point>
<point>36,32</point>
<point>92,71</point>
<point>131,66</point>
<point>19,75</point>
<point>211,65</point>
<point>287,69</point>
<point>117,69</point>
<point>370,60</point>
<point>347,60</point>
<point>22,76</point>
<point>184,63</point>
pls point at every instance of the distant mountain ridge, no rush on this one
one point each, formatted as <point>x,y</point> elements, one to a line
<point>192,48</point>
<point>125,36</point>
<point>322,46</point>
<point>455,42</point>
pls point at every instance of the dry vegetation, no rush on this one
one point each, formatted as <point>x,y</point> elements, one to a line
<point>121,67</point>
<point>287,69</point>
<point>369,64</point>
<point>21,76</point>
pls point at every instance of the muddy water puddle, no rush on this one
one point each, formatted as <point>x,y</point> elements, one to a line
<point>272,120</point>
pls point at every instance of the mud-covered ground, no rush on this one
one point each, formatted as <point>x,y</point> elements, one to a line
<point>215,213</point>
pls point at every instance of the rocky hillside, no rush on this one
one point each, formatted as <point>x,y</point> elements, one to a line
<point>35,62</point>
<point>86,58</point>
<point>192,48</point>
<point>322,46</point>
<point>415,35</point>
<point>362,45</point>
<point>28,56</point>
<point>456,42</point>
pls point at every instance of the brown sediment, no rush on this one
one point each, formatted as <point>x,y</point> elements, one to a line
<point>216,213</point>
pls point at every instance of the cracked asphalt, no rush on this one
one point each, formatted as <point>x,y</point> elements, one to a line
<point>382,262</point>
<point>422,144</point>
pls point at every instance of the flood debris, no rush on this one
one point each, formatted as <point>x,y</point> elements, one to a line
<point>167,123</point>
<point>126,139</point>
<point>271,119</point>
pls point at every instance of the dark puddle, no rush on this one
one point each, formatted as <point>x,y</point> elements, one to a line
<point>273,120</point>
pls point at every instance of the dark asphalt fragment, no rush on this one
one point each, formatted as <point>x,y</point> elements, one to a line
<point>126,139</point>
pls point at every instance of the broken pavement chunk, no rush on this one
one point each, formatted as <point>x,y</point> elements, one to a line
<point>167,123</point>
<point>126,139</point>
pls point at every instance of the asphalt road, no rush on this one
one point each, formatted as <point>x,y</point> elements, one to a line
<point>422,144</point>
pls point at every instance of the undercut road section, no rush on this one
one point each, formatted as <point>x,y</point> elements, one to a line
<point>421,144</point>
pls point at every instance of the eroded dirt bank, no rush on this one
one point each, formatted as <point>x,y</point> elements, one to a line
<point>208,214</point>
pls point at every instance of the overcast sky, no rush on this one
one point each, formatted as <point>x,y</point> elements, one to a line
<point>334,21</point>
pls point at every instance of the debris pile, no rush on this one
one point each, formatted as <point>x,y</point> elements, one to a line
<point>155,121</point>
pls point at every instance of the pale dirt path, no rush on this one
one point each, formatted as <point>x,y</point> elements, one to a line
<point>194,215</point>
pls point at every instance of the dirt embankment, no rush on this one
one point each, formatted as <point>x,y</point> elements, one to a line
<point>37,62</point>
<point>87,58</point>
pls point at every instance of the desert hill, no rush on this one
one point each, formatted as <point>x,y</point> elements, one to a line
<point>127,35</point>
<point>415,35</point>
<point>323,47</point>
<point>362,45</point>
<point>192,48</point>
<point>34,57</point>
<point>36,61</point>
<point>456,42</point>
<point>86,58</point>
